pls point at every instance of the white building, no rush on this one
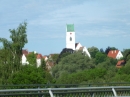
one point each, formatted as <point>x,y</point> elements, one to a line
<point>70,40</point>
<point>24,57</point>
<point>39,60</point>
<point>79,47</point>
<point>39,57</point>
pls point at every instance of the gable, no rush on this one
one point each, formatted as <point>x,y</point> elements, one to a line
<point>119,55</point>
<point>77,46</point>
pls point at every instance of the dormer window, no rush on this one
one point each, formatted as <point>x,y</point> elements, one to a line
<point>70,38</point>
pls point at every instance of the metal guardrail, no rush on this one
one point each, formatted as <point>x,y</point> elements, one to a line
<point>111,91</point>
<point>27,86</point>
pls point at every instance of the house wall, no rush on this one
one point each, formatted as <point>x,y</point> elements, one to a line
<point>38,62</point>
<point>45,59</point>
<point>119,55</point>
<point>24,60</point>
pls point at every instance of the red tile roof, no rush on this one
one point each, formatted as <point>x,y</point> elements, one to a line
<point>113,53</point>
<point>120,63</point>
<point>25,52</point>
<point>39,56</point>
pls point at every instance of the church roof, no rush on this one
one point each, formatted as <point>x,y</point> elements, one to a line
<point>70,27</point>
<point>76,44</point>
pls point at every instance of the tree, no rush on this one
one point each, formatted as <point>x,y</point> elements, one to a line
<point>101,50</point>
<point>110,48</point>
<point>100,57</point>
<point>31,58</point>
<point>43,64</point>
<point>12,51</point>
<point>126,53</point>
<point>93,50</point>
<point>19,39</point>
<point>55,58</point>
<point>28,75</point>
<point>93,75</point>
<point>72,63</point>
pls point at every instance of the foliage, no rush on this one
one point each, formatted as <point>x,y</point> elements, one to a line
<point>31,58</point>
<point>12,51</point>
<point>93,50</point>
<point>54,58</point>
<point>79,77</point>
<point>28,75</point>
<point>72,63</point>
<point>19,39</point>
<point>101,50</point>
<point>110,48</point>
<point>100,57</point>
<point>62,55</point>
<point>43,64</point>
<point>126,54</point>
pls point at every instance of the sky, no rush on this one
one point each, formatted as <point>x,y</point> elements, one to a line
<point>98,23</point>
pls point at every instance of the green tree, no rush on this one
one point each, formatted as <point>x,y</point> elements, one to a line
<point>43,64</point>
<point>72,63</point>
<point>12,51</point>
<point>110,48</point>
<point>55,58</point>
<point>126,53</point>
<point>100,57</point>
<point>28,75</point>
<point>93,50</point>
<point>19,39</point>
<point>31,58</point>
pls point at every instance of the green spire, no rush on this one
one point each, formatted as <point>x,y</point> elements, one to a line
<point>70,27</point>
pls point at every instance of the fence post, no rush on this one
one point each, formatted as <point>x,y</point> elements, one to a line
<point>114,92</point>
<point>50,92</point>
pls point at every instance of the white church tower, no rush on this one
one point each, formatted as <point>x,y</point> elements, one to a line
<point>70,36</point>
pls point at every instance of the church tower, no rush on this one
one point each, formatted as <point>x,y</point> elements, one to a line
<point>70,36</point>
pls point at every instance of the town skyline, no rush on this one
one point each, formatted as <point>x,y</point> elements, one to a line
<point>96,23</point>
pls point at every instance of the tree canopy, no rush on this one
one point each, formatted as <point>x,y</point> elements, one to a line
<point>12,51</point>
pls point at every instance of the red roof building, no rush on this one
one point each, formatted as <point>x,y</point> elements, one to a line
<point>25,52</point>
<point>116,54</point>
<point>120,63</point>
<point>39,56</point>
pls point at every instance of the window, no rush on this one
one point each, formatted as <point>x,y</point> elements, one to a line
<point>70,38</point>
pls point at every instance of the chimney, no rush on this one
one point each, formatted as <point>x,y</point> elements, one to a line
<point>112,52</point>
<point>115,51</point>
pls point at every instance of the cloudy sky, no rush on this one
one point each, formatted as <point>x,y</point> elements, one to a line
<point>99,23</point>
